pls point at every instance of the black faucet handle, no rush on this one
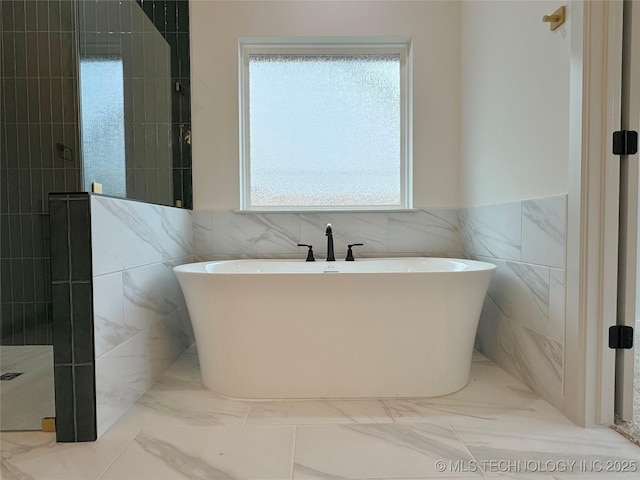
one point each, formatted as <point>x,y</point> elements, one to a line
<point>350,252</point>
<point>310,252</point>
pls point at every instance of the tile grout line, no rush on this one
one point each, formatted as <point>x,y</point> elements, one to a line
<point>110,349</point>
<point>521,230</point>
<point>71,323</point>
<point>455,432</point>
<point>11,258</point>
<point>119,454</point>
<point>389,411</point>
<point>293,450</point>
<point>246,418</point>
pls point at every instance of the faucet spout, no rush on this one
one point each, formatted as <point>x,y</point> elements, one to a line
<point>329,234</point>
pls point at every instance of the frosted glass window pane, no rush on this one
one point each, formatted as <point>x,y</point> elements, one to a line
<point>324,130</point>
<point>103,146</point>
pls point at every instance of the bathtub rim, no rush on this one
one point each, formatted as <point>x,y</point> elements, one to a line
<point>200,268</point>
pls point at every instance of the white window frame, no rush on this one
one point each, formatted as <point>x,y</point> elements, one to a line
<point>329,45</point>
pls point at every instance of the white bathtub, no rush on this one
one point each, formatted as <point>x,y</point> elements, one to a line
<point>396,327</point>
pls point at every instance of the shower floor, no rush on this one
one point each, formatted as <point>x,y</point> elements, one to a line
<point>27,398</point>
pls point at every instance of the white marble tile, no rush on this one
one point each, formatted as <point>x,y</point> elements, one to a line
<point>255,233</point>
<point>523,477</point>
<point>319,412</point>
<point>534,358</point>
<point>128,370</point>
<point>124,234</point>
<point>177,232</point>
<point>521,293</point>
<point>543,231</point>
<point>206,453</point>
<point>493,230</point>
<point>202,233</point>
<point>37,456</point>
<point>185,324</point>
<point>480,357</point>
<point>488,373</point>
<point>15,444</point>
<point>477,403</point>
<point>534,476</point>
<point>150,293</point>
<point>213,258</point>
<point>486,340</point>
<point>425,231</point>
<point>595,471</point>
<point>198,408</point>
<point>172,287</point>
<point>368,228</point>
<point>543,442</point>
<point>181,437</point>
<point>166,341</point>
<point>122,376</point>
<point>184,374</point>
<point>111,327</point>
<point>374,451</point>
<point>556,303</point>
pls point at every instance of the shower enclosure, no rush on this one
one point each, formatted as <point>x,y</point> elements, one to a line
<point>90,91</point>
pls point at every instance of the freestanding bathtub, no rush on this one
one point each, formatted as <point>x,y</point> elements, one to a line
<point>395,327</point>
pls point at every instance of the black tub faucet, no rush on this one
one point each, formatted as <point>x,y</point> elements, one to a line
<point>329,234</point>
<point>350,252</point>
<point>309,253</point>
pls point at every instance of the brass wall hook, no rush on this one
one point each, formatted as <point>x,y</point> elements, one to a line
<point>556,19</point>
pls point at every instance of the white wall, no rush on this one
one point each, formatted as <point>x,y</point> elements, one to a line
<point>514,95</point>
<point>215,28</point>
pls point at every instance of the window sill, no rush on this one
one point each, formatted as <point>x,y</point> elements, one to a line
<point>328,211</point>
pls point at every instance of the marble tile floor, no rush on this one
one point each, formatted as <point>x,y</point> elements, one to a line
<point>494,427</point>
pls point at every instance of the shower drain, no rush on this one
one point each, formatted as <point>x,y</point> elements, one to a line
<point>10,376</point>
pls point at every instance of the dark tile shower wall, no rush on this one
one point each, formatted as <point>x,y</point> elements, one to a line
<point>39,140</point>
<point>38,155</point>
<point>72,292</point>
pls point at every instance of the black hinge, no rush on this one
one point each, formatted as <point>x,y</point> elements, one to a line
<point>625,142</point>
<point>620,336</point>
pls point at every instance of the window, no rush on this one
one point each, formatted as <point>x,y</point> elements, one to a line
<point>324,126</point>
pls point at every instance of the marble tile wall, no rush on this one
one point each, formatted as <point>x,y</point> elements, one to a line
<point>141,321</point>
<point>119,315</point>
<point>219,234</point>
<point>522,322</point>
